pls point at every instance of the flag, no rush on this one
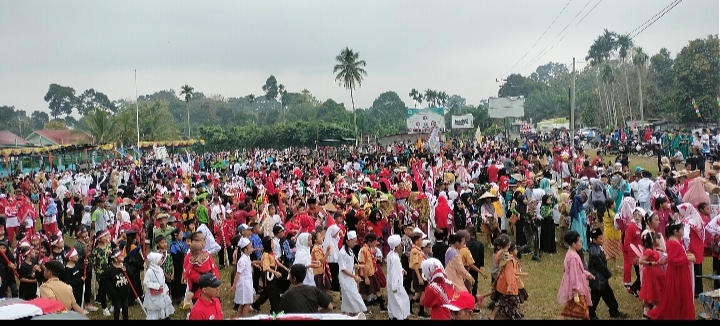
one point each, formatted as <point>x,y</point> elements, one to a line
<point>137,150</point>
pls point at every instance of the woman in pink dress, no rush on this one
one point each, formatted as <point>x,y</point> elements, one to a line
<point>574,293</point>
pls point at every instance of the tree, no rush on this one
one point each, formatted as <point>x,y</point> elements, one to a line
<point>696,76</point>
<point>281,93</point>
<point>39,119</point>
<point>156,122</point>
<point>271,88</point>
<point>251,100</point>
<point>625,44</point>
<point>55,124</point>
<point>350,71</point>
<point>187,91</point>
<point>61,100</point>
<point>98,123</point>
<point>416,97</point>
<point>90,99</point>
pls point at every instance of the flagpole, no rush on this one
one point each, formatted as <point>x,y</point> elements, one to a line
<point>137,111</point>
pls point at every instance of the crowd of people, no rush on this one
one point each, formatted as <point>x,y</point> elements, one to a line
<point>295,225</point>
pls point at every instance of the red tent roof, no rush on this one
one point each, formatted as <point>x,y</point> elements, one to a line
<point>65,137</point>
<point>8,138</point>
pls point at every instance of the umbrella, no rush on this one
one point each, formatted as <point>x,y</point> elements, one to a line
<point>69,315</point>
<point>15,311</point>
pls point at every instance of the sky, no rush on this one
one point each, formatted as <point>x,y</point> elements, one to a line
<point>230,47</point>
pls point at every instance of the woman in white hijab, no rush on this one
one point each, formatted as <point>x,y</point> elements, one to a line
<point>398,299</point>
<point>331,241</point>
<point>303,257</point>
<point>351,300</point>
<point>157,300</point>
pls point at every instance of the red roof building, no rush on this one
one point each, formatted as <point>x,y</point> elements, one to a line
<point>59,137</point>
<point>8,139</point>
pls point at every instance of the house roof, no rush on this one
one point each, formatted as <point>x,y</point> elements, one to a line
<point>65,136</point>
<point>8,138</point>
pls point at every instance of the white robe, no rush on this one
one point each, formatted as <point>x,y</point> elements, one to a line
<point>244,288</point>
<point>304,257</point>
<point>398,299</point>
<point>351,301</point>
<point>158,306</point>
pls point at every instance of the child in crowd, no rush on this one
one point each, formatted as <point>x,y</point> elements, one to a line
<point>27,272</point>
<point>653,275</point>
<point>600,285</point>
<point>157,301</point>
<point>243,281</point>
<point>117,285</point>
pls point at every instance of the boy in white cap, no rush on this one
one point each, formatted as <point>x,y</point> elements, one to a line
<point>398,299</point>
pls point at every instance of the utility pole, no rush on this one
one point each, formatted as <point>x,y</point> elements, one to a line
<point>572,106</point>
<point>137,112</point>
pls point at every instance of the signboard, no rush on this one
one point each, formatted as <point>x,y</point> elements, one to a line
<point>424,120</point>
<point>462,121</point>
<point>160,153</point>
<point>506,107</point>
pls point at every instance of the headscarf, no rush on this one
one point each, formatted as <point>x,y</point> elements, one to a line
<point>695,193</point>
<point>332,239</point>
<point>302,255</point>
<point>155,260</point>
<point>545,185</point>
<point>625,212</point>
<point>434,272</point>
<point>576,207</point>
<point>442,210</point>
<point>597,191</point>
<point>658,188</point>
<point>691,217</point>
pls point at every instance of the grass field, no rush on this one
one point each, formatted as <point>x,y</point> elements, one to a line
<point>542,283</point>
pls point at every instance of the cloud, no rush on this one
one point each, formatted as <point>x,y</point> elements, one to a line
<point>231,47</point>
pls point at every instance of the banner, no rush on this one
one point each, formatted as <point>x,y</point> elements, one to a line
<point>424,120</point>
<point>462,121</point>
<point>160,153</point>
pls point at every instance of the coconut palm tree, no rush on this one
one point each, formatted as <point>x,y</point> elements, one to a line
<point>251,99</point>
<point>350,71</point>
<point>639,59</point>
<point>625,44</point>
<point>415,95</point>
<point>188,92</point>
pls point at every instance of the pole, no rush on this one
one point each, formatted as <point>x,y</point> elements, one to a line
<point>572,106</point>
<point>137,111</point>
<point>642,118</point>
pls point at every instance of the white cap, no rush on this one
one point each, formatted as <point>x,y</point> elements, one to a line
<point>425,243</point>
<point>394,241</point>
<point>351,235</point>
<point>244,242</point>
<point>417,230</point>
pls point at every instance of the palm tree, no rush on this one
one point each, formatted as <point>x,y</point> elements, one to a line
<point>414,94</point>
<point>99,125</point>
<point>431,97</point>
<point>639,59</point>
<point>625,43</point>
<point>188,92</point>
<point>350,72</point>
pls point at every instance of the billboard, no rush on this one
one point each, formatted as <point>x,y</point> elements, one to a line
<point>462,121</point>
<point>424,120</point>
<point>506,107</point>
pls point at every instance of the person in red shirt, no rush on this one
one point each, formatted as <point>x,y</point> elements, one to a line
<point>197,263</point>
<point>633,233</point>
<point>207,307</point>
<point>492,172</point>
<point>439,290</point>
<point>240,214</point>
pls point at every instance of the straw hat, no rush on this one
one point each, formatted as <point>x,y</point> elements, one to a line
<point>518,177</point>
<point>329,207</point>
<point>487,194</point>
<point>128,201</point>
<point>383,198</point>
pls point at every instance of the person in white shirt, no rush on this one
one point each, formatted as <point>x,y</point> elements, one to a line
<point>643,192</point>
<point>677,158</point>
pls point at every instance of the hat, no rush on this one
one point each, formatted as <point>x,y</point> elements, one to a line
<point>244,242</point>
<point>171,219</point>
<point>565,185</point>
<point>596,232</point>
<point>128,201</point>
<point>487,194</point>
<point>518,177</point>
<point>394,241</point>
<point>425,243</point>
<point>639,209</point>
<point>420,232</point>
<point>464,301</point>
<point>351,235</point>
<point>71,253</point>
<point>209,280</point>
<point>330,208</point>
<point>278,228</point>
<point>163,215</point>
<point>383,198</point>
<point>242,227</point>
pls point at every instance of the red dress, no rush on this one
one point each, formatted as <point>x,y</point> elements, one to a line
<point>653,279</point>
<point>676,301</point>
<point>437,294</point>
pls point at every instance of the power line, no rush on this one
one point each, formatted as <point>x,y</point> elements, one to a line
<point>651,18</point>
<point>541,36</point>
<point>568,32</point>
<point>563,30</point>
<point>656,19</point>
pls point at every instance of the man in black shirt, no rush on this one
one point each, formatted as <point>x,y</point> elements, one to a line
<point>440,247</point>
<point>303,299</point>
<point>477,250</point>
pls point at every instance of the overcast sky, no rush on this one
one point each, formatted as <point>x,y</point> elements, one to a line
<point>231,47</point>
